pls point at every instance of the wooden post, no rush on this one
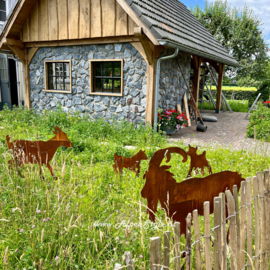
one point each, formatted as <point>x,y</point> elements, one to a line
<point>129,261</point>
<point>188,242</point>
<point>249,224</point>
<point>267,209</point>
<point>196,77</point>
<point>235,195</point>
<point>155,253</point>
<point>166,257</point>
<point>263,228</point>
<point>207,248</point>
<point>257,225</point>
<point>217,233</point>
<point>231,213</point>
<point>177,246</point>
<point>197,239</point>
<point>219,87</point>
<point>223,232</point>
<point>186,109</point>
<point>242,226</point>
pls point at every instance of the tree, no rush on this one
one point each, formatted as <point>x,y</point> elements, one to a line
<point>239,31</point>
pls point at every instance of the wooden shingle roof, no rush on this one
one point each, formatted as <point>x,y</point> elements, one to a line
<point>174,25</point>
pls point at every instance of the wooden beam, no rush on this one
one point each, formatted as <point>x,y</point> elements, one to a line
<point>13,42</point>
<point>219,88</point>
<point>18,52</point>
<point>137,20</point>
<point>146,43</point>
<point>151,86</point>
<point>11,20</point>
<point>26,81</point>
<point>31,54</point>
<point>196,77</point>
<point>88,41</point>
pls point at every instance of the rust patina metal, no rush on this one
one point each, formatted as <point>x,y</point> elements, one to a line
<point>179,199</point>
<point>37,152</point>
<point>198,161</point>
<point>133,163</point>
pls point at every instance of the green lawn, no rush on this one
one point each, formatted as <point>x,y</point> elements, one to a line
<point>54,222</point>
<point>236,105</point>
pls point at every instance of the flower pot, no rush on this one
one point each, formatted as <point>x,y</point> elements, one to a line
<point>169,130</point>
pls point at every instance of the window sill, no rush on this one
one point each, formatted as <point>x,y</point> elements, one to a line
<point>57,91</point>
<point>107,94</point>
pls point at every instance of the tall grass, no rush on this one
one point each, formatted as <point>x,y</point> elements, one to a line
<point>89,217</point>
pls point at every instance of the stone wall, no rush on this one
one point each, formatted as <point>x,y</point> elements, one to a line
<point>135,80</point>
<point>172,86</point>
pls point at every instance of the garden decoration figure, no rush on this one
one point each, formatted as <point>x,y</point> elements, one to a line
<point>37,152</point>
<point>197,161</point>
<point>180,199</point>
<point>133,163</point>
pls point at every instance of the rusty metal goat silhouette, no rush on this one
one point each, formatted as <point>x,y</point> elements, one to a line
<point>197,161</point>
<point>133,163</point>
<point>37,152</point>
<point>180,199</point>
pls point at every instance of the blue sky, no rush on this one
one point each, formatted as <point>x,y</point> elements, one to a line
<point>260,7</point>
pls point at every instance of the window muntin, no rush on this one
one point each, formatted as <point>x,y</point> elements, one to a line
<point>58,77</point>
<point>107,77</point>
<point>3,69</point>
<point>2,10</point>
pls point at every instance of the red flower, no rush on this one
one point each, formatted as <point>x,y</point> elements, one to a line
<point>184,125</point>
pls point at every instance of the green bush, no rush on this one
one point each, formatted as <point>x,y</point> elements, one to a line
<point>238,95</point>
<point>261,120</point>
<point>264,90</point>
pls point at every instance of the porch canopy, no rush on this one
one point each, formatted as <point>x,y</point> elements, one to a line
<point>173,25</point>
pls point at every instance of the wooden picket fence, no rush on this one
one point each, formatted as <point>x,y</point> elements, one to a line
<point>248,223</point>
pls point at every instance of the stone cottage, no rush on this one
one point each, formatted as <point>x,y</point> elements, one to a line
<point>110,58</point>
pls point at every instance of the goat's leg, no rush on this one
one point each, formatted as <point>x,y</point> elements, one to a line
<point>40,172</point>
<point>51,170</point>
<point>190,171</point>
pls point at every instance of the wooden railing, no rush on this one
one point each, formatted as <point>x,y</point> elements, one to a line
<point>238,237</point>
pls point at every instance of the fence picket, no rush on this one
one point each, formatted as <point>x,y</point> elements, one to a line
<point>129,261</point>
<point>166,250</point>
<point>207,236</point>
<point>188,242</point>
<point>217,233</point>
<point>237,254</point>
<point>249,223</point>
<point>177,246</point>
<point>232,228</point>
<point>257,225</point>
<point>197,239</point>
<point>243,225</point>
<point>155,253</point>
<point>223,232</point>
<point>262,208</point>
<point>267,209</point>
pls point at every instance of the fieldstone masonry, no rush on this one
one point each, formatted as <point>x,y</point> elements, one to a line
<point>172,84</point>
<point>135,80</point>
<point>131,106</point>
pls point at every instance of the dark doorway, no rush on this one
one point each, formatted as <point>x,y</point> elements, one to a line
<point>13,83</point>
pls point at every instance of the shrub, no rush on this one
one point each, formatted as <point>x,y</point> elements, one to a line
<point>236,105</point>
<point>261,120</point>
<point>264,90</point>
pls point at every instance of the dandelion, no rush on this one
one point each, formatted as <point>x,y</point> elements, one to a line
<point>33,227</point>
<point>56,258</point>
<point>48,218</point>
<point>21,230</point>
<point>141,256</point>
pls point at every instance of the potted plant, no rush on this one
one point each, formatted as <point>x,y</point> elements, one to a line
<point>171,120</point>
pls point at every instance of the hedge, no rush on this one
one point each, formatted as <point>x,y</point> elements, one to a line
<point>238,95</point>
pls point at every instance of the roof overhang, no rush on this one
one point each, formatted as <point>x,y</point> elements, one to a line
<point>190,50</point>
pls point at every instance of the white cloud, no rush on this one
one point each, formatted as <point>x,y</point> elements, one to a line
<point>261,8</point>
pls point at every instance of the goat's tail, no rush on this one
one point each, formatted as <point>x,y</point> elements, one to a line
<point>8,141</point>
